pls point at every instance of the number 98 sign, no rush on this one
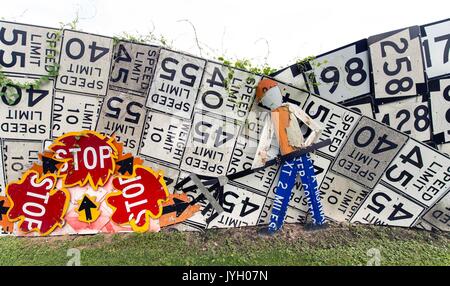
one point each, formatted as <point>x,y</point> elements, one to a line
<point>342,74</point>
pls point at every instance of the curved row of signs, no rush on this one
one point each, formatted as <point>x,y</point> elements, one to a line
<point>384,102</point>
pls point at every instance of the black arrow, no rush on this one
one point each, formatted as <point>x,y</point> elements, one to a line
<point>3,210</point>
<point>86,205</point>
<point>279,160</point>
<point>126,165</point>
<point>178,206</point>
<point>49,165</point>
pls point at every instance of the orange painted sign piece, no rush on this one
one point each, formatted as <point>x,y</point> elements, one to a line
<point>177,209</point>
<point>5,225</point>
<point>139,198</point>
<point>36,203</point>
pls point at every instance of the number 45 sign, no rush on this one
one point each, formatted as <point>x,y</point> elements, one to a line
<point>386,207</point>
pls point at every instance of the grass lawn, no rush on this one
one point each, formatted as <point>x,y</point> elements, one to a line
<point>336,245</point>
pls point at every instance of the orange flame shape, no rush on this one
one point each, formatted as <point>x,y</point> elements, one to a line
<point>36,203</point>
<point>140,198</point>
<point>88,157</point>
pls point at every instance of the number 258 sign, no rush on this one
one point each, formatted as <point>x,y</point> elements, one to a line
<point>397,64</point>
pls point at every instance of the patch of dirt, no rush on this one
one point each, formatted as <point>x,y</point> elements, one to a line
<point>335,233</point>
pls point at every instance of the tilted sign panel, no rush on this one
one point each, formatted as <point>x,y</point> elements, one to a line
<point>176,83</point>
<point>84,63</point>
<point>18,157</point>
<point>341,197</point>
<point>439,215</point>
<point>28,114</point>
<point>241,208</point>
<point>123,115</point>
<point>419,171</point>
<point>440,109</point>
<point>368,151</point>
<point>74,112</point>
<point>341,74</point>
<point>397,65</point>
<point>209,146</point>
<point>436,48</point>
<point>133,67</point>
<point>166,138</point>
<point>410,116</point>
<point>337,122</point>
<point>227,91</point>
<point>28,49</point>
<point>387,207</point>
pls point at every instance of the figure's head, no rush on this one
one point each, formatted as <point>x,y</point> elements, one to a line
<point>269,94</point>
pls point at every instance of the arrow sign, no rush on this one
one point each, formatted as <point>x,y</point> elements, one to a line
<point>89,207</point>
<point>3,209</point>
<point>49,165</point>
<point>178,206</point>
<point>126,166</point>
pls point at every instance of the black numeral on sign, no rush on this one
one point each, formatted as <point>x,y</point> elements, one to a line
<point>248,207</point>
<point>414,158</point>
<point>16,35</point>
<point>132,116</point>
<point>217,79</point>
<point>398,213</point>
<point>320,110</point>
<point>404,84</point>
<point>221,137</point>
<point>393,45</point>
<point>447,98</point>
<point>426,47</point>
<point>421,119</point>
<point>334,78</point>
<point>15,56</point>
<point>398,68</point>
<point>96,51</point>
<point>122,56</point>
<point>34,95</point>
<point>189,79</point>
<point>394,86</point>
<point>356,75</point>
<point>366,135</point>
<point>217,74</point>
<point>357,72</point>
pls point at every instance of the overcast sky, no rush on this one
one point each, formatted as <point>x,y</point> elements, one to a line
<point>236,28</point>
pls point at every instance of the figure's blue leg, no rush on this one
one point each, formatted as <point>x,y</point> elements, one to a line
<point>286,181</point>
<point>309,182</point>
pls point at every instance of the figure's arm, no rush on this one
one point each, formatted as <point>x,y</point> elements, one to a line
<point>316,129</point>
<point>265,140</point>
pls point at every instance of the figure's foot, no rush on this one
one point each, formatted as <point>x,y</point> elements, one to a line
<point>311,226</point>
<point>265,232</point>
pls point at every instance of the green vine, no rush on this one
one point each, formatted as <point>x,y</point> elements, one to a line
<point>7,85</point>
<point>304,64</point>
<point>246,65</point>
<point>148,39</point>
<point>8,91</point>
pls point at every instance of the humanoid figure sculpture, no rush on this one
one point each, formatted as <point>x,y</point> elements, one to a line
<point>283,121</point>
